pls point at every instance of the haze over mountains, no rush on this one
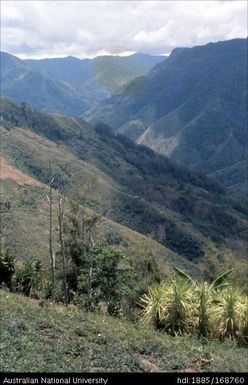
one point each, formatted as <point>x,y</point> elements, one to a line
<point>69,85</point>
<point>123,190</point>
<point>192,108</point>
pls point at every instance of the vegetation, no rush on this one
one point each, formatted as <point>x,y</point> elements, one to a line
<point>86,274</point>
<point>181,306</point>
<point>7,267</point>
<point>188,108</point>
<point>148,193</point>
<point>93,224</point>
<point>37,336</point>
<point>69,85</point>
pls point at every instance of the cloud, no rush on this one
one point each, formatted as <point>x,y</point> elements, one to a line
<point>87,28</point>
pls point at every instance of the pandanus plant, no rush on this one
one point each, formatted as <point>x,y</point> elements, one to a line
<point>153,305</point>
<point>182,305</point>
<point>228,315</point>
<point>205,296</point>
<point>169,306</point>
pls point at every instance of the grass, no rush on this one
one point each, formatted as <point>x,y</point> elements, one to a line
<point>53,338</point>
<point>132,185</point>
<point>26,227</point>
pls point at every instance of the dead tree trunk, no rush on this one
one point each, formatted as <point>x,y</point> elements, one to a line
<point>52,255</point>
<point>62,246</point>
<point>90,261</point>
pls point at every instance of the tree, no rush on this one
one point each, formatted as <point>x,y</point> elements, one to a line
<point>28,278</point>
<point>7,268</point>
<point>111,280</point>
<point>79,233</point>
<point>52,255</point>
<point>62,245</point>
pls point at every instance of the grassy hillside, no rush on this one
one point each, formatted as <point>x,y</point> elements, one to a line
<point>192,108</point>
<point>53,338</point>
<point>131,185</point>
<point>25,225</point>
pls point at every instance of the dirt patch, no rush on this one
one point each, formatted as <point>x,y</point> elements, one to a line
<point>198,365</point>
<point>9,172</point>
<point>148,364</point>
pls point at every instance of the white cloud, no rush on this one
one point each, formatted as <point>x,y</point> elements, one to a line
<point>87,28</point>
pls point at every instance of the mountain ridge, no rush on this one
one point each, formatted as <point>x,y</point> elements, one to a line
<point>191,108</point>
<point>133,186</point>
<point>69,86</point>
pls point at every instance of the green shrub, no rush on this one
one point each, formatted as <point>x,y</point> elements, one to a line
<point>28,278</point>
<point>183,306</point>
<point>7,268</point>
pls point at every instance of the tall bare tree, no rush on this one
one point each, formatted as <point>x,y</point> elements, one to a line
<point>90,271</point>
<point>62,245</point>
<point>52,255</point>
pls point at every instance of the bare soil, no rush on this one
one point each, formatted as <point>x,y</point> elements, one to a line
<point>7,171</point>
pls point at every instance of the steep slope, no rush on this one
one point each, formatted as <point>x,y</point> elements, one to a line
<point>25,224</point>
<point>59,339</point>
<point>69,85</point>
<point>132,185</point>
<point>103,73</point>
<point>192,108</point>
<point>23,83</point>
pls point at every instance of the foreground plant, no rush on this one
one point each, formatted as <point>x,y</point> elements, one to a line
<point>228,315</point>
<point>183,306</point>
<point>169,306</point>
<point>153,305</point>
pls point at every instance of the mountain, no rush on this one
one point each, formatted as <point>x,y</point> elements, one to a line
<point>159,208</point>
<point>69,86</point>
<point>192,108</point>
<point>37,88</point>
<point>108,73</point>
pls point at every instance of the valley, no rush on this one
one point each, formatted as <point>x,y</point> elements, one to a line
<point>123,195</point>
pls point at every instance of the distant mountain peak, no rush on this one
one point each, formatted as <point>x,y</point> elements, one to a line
<point>191,107</point>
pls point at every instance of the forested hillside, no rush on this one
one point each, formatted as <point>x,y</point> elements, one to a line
<point>69,85</point>
<point>192,108</point>
<point>131,184</point>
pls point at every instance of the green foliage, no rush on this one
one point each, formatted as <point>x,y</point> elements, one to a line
<point>29,278</point>
<point>188,117</point>
<point>144,187</point>
<point>203,298</point>
<point>228,315</point>
<point>42,337</point>
<point>215,261</point>
<point>183,275</point>
<point>79,222</point>
<point>111,280</point>
<point>7,268</point>
<point>220,282</point>
<point>181,306</point>
<point>169,306</point>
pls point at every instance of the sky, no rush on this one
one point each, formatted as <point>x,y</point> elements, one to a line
<point>38,29</point>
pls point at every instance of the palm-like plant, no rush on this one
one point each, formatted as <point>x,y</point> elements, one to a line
<point>169,306</point>
<point>227,315</point>
<point>243,334</point>
<point>204,299</point>
<point>153,305</point>
<point>179,309</point>
<point>182,305</point>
